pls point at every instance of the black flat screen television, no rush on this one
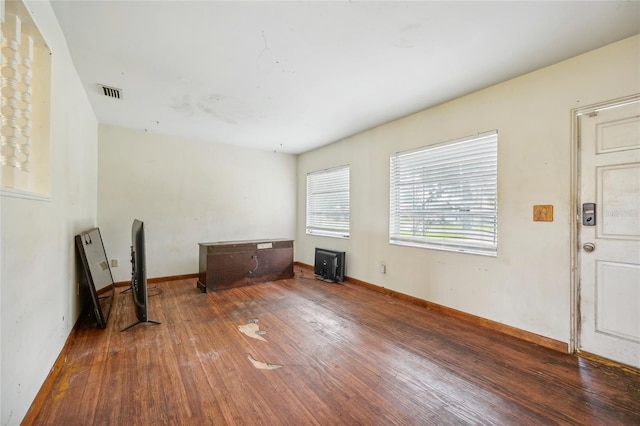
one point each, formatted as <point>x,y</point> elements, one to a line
<point>95,274</point>
<point>139,274</point>
<point>329,265</point>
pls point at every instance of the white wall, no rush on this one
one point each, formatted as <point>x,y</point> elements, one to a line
<point>38,278</point>
<point>186,192</point>
<point>528,284</point>
<point>189,191</point>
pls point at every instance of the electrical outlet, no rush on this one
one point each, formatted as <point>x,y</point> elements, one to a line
<point>115,263</point>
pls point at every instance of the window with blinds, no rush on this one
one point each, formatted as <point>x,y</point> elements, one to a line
<point>328,202</point>
<point>445,196</point>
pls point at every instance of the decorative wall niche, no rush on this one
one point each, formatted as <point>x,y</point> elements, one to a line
<point>25,92</point>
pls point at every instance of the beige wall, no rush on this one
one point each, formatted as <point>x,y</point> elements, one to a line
<point>39,302</point>
<point>188,191</point>
<point>528,284</point>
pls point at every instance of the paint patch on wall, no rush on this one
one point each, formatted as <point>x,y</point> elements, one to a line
<point>543,213</point>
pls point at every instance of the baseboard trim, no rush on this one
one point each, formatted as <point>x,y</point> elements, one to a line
<point>159,279</point>
<point>47,386</point>
<point>609,363</point>
<point>474,319</point>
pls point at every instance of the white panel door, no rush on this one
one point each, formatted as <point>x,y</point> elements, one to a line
<point>609,244</point>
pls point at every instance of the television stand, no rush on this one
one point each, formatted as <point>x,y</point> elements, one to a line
<point>326,280</point>
<point>139,322</point>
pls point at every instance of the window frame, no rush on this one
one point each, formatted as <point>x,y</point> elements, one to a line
<point>451,207</point>
<point>318,218</point>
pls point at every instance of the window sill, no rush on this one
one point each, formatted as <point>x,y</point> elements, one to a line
<point>25,195</point>
<point>462,250</point>
<point>317,234</point>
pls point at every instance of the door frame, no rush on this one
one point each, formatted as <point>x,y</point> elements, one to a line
<point>574,338</point>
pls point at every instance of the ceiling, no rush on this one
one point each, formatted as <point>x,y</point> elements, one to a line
<point>293,76</point>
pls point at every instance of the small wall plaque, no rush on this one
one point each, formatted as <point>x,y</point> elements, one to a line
<point>543,213</point>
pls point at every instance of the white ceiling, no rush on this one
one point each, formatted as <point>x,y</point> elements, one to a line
<point>293,76</point>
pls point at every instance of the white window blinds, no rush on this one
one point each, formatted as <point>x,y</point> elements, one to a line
<point>445,196</point>
<point>328,202</point>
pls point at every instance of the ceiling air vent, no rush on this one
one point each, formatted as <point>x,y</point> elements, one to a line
<point>111,92</point>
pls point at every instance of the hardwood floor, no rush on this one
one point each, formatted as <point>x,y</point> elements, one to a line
<point>349,355</point>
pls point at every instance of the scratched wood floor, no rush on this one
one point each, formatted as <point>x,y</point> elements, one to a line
<point>349,356</point>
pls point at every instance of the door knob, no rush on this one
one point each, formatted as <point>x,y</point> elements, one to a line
<point>589,247</point>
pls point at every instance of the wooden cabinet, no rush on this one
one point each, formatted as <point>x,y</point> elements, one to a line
<point>231,264</point>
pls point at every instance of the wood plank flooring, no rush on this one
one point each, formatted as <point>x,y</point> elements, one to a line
<point>349,355</point>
